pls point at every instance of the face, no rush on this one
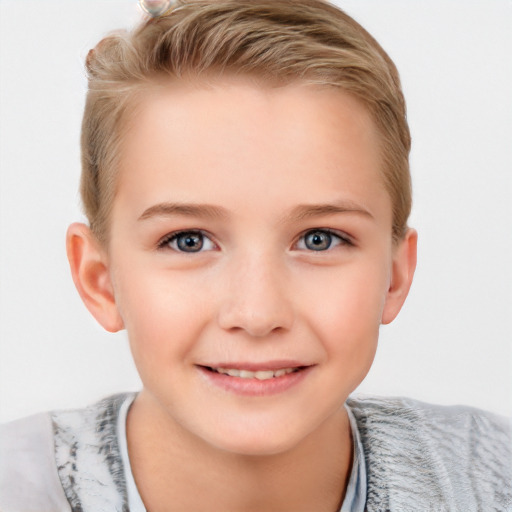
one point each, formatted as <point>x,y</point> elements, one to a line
<point>251,257</point>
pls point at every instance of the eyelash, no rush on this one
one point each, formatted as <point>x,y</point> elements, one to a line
<point>342,238</point>
<point>165,242</point>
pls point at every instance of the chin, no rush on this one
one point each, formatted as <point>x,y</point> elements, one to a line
<point>256,440</point>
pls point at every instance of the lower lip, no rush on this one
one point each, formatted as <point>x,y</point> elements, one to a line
<point>255,387</point>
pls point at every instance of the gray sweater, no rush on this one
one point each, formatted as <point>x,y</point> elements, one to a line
<point>419,457</point>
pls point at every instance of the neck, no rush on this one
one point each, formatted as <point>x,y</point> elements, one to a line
<point>310,476</point>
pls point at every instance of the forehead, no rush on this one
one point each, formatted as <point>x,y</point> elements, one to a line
<point>235,142</point>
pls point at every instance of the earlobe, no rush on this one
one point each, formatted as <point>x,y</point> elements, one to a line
<point>404,265</point>
<point>90,272</point>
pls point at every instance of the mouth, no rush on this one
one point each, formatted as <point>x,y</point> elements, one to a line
<point>258,374</point>
<point>256,380</point>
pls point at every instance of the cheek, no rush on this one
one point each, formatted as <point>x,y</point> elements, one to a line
<point>353,295</point>
<point>346,312</point>
<point>163,315</point>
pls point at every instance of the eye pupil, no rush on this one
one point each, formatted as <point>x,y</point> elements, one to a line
<point>190,242</point>
<point>318,240</point>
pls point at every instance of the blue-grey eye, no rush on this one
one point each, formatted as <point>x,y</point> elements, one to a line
<point>187,241</point>
<point>318,240</point>
<point>190,242</point>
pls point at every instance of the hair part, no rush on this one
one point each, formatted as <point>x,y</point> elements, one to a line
<point>275,41</point>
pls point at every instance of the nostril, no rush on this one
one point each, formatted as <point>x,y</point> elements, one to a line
<point>257,326</point>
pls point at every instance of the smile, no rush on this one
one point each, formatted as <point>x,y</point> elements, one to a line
<point>260,374</point>
<point>256,380</point>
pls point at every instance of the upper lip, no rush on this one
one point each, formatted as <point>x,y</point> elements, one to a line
<point>254,367</point>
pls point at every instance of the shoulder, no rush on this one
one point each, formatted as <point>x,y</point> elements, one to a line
<point>63,460</point>
<point>29,481</point>
<point>397,412</point>
<point>414,450</point>
<point>88,455</point>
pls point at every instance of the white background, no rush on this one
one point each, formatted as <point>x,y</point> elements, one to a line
<point>452,341</point>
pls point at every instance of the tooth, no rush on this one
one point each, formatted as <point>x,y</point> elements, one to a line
<point>264,374</point>
<point>260,374</point>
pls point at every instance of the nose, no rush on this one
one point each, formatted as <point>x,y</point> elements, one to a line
<point>256,299</point>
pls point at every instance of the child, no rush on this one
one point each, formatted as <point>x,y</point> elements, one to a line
<point>245,176</point>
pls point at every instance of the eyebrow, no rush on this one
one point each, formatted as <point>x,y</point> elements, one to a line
<point>208,211</point>
<point>309,211</point>
<point>205,211</point>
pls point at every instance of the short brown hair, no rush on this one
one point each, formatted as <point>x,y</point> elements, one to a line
<point>277,41</point>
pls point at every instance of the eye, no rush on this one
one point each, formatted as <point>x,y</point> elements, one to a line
<point>321,240</point>
<point>187,241</point>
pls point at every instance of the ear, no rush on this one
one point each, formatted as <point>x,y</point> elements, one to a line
<point>90,271</point>
<point>402,272</point>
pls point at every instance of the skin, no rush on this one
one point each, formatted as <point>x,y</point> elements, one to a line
<point>255,293</point>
